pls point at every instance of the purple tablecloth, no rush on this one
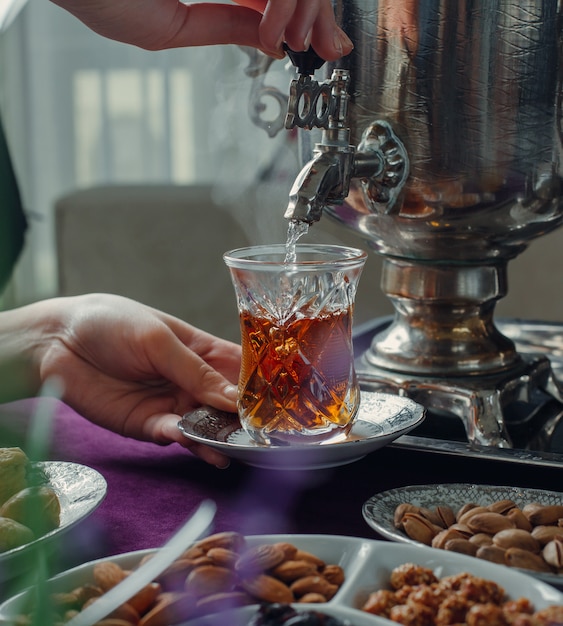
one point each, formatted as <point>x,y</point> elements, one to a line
<point>152,489</point>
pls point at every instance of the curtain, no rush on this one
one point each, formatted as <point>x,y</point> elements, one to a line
<point>81,110</point>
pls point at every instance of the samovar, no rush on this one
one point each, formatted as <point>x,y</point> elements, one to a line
<point>438,140</point>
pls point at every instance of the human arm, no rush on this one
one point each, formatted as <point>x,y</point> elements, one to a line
<point>125,366</point>
<point>262,24</point>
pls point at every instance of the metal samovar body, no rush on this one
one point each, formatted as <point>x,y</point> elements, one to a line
<point>445,157</point>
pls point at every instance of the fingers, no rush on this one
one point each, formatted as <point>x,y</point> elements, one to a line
<point>190,372</point>
<point>164,429</point>
<point>300,23</point>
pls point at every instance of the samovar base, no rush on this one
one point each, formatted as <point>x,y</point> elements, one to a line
<point>486,405</point>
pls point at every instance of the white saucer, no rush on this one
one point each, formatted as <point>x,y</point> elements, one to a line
<point>381,419</point>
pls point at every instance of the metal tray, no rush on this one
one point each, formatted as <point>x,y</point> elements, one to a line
<point>537,430</point>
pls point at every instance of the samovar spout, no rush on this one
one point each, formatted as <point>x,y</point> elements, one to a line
<point>323,180</point>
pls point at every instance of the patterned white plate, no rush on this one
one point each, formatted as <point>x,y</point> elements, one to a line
<point>379,510</point>
<point>80,491</point>
<point>382,418</point>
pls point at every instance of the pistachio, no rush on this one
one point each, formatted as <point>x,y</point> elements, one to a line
<point>492,553</point>
<point>553,553</point>
<point>524,559</point>
<point>481,539</point>
<point>488,522</point>
<point>463,546</point>
<point>440,540</point>
<point>517,517</point>
<point>400,512</point>
<point>446,515</point>
<point>419,528</point>
<point>463,518</point>
<point>549,514</point>
<point>502,506</point>
<point>516,538</point>
<point>545,534</point>
<point>464,509</point>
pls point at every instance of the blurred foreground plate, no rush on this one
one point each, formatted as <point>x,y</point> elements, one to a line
<point>367,565</point>
<point>80,490</point>
<point>381,419</point>
<point>379,510</point>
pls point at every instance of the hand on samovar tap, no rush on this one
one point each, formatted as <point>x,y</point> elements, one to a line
<point>120,364</point>
<point>262,24</point>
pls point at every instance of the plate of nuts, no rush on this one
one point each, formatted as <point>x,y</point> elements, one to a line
<point>273,580</point>
<point>517,527</point>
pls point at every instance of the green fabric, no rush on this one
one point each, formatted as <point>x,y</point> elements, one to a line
<point>13,222</point>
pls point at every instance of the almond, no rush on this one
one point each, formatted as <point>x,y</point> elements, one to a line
<point>334,574</point>
<point>145,598</point>
<point>259,559</point>
<point>172,608</point>
<point>288,571</point>
<point>268,589</point>
<point>228,539</point>
<point>313,584</point>
<point>108,574</point>
<point>209,579</point>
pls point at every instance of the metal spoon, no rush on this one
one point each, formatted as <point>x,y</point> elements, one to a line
<point>192,529</point>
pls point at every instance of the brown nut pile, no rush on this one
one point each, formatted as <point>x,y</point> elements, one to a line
<point>529,538</point>
<point>416,596</point>
<point>216,573</point>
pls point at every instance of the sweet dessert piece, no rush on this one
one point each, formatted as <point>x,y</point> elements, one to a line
<point>14,465</point>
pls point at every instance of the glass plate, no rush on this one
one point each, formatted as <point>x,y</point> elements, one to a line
<point>381,419</point>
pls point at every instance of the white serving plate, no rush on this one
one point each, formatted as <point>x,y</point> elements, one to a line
<point>80,490</point>
<point>379,510</point>
<point>381,419</point>
<point>367,565</point>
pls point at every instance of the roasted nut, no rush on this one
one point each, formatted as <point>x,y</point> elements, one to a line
<point>223,557</point>
<point>419,528</point>
<point>313,584</point>
<point>481,539</point>
<point>544,515</point>
<point>490,523</point>
<point>502,506</point>
<point>289,550</point>
<point>491,553</point>
<point>553,553</point>
<point>400,511</point>
<point>171,608</point>
<point>446,515</point>
<point>440,540</point>
<point>463,546</point>
<point>259,559</point>
<point>108,574</point>
<point>545,534</point>
<point>268,589</point>
<point>334,574</point>
<point>209,579</point>
<point>145,598</point>
<point>516,557</point>
<point>218,602</point>
<point>288,571</point>
<point>228,539</point>
<point>303,555</point>
<point>517,517</point>
<point>516,538</point>
<point>313,598</point>
<point>468,513</point>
